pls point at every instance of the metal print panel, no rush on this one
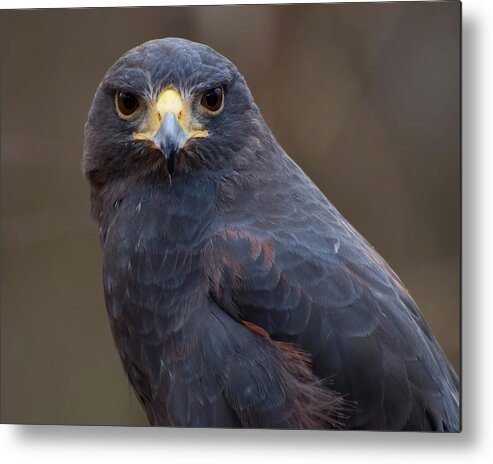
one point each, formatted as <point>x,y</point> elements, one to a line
<point>265,229</point>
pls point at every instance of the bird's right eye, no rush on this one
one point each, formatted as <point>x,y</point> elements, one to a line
<point>126,104</point>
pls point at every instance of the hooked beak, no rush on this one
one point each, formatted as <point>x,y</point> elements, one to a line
<point>170,138</point>
<point>169,126</point>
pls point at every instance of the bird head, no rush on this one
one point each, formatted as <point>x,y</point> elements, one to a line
<point>168,107</point>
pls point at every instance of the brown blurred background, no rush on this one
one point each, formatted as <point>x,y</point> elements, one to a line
<point>365,97</point>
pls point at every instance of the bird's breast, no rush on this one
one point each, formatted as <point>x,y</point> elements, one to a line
<point>155,242</point>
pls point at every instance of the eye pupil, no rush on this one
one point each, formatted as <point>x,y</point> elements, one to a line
<point>213,99</point>
<point>127,103</point>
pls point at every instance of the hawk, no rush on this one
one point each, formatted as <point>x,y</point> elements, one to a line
<point>238,296</point>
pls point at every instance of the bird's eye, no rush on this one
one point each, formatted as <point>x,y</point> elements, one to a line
<point>213,99</point>
<point>127,104</point>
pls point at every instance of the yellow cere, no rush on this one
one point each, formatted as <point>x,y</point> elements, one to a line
<point>169,101</point>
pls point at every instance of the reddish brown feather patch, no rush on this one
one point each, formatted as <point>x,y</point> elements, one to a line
<point>255,328</point>
<point>268,249</point>
<point>293,352</point>
<point>255,249</point>
<point>256,245</point>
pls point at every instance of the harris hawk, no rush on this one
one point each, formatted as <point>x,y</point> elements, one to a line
<point>238,296</point>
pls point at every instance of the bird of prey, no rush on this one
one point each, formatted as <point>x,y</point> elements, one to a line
<point>238,296</point>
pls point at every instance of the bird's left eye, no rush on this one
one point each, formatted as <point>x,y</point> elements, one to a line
<point>212,100</point>
<point>126,104</point>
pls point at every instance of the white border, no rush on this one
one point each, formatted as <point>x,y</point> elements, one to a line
<point>123,3</point>
<point>118,445</point>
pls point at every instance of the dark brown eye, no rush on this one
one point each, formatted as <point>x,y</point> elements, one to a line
<point>127,104</point>
<point>212,100</point>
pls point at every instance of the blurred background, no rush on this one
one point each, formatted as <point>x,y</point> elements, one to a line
<point>364,97</point>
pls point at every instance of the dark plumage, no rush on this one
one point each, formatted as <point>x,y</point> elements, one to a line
<point>238,296</point>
